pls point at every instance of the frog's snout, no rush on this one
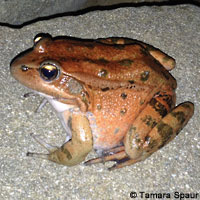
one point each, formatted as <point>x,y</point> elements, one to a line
<point>19,61</point>
<point>14,67</point>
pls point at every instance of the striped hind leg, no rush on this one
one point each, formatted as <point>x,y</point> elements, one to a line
<point>165,131</point>
<point>139,146</point>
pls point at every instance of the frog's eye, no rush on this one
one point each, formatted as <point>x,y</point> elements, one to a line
<point>41,36</point>
<point>49,70</point>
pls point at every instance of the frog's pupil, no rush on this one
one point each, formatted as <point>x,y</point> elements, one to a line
<point>49,73</point>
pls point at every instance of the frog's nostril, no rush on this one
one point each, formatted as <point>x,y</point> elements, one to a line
<point>24,68</point>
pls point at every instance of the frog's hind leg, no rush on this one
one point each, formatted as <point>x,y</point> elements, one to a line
<point>137,149</point>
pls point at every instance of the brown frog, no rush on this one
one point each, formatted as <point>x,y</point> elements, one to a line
<point>114,95</point>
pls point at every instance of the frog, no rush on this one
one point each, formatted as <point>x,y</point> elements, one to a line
<point>113,95</point>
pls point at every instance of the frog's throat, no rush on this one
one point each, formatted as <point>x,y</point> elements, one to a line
<point>57,105</point>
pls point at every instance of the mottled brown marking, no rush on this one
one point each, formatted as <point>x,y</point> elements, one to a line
<point>33,60</point>
<point>123,111</point>
<point>180,116</point>
<point>90,61</point>
<point>147,139</point>
<point>144,52</point>
<point>131,87</point>
<point>126,62</point>
<point>166,59</point>
<point>66,152</point>
<point>103,61</point>
<point>165,131</point>
<point>141,102</point>
<point>123,95</point>
<point>144,76</point>
<point>75,60</point>
<point>149,121</point>
<point>116,130</point>
<point>150,48</point>
<point>152,144</point>
<point>105,89</point>
<point>98,107</point>
<point>186,105</point>
<point>137,138</point>
<point>131,129</point>
<point>84,98</point>
<point>158,107</point>
<point>167,98</point>
<point>165,74</point>
<point>131,81</point>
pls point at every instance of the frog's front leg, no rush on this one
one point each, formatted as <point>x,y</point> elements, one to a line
<point>138,146</point>
<point>76,149</point>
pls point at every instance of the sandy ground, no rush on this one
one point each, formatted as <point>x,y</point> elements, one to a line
<point>176,167</point>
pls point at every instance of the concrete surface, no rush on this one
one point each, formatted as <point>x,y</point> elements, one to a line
<point>176,167</point>
<point>18,12</point>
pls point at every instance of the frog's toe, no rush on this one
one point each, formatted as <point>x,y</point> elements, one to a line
<point>123,163</point>
<point>114,157</point>
<point>50,148</point>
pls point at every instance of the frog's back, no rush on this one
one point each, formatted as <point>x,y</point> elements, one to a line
<point>113,62</point>
<point>99,64</point>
